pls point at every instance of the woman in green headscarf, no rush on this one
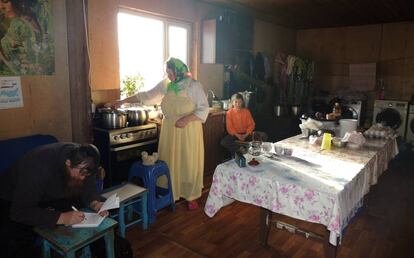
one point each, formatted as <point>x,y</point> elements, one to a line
<point>185,107</point>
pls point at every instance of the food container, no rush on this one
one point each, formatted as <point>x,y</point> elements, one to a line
<point>347,126</point>
<point>113,119</point>
<point>226,104</point>
<point>337,142</point>
<point>137,116</point>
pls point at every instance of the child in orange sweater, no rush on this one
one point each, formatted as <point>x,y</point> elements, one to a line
<point>239,124</point>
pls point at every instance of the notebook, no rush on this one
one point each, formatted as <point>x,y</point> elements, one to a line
<point>94,219</point>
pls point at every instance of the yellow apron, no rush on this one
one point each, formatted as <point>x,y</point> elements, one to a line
<point>182,148</point>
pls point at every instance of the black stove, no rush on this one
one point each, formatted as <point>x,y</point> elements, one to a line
<point>121,147</point>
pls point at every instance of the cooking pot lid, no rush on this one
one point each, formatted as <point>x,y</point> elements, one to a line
<point>112,111</point>
<point>390,116</point>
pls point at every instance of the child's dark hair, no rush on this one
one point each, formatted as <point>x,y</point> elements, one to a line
<point>85,153</point>
<point>237,96</point>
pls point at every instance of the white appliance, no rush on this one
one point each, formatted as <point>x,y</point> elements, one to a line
<point>392,113</point>
<point>410,124</point>
<point>354,107</point>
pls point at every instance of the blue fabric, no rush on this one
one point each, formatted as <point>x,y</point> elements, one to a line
<point>12,149</point>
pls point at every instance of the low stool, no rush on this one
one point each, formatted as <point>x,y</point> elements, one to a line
<point>158,197</point>
<point>132,198</point>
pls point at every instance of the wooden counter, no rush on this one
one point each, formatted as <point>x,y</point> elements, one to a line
<point>214,129</point>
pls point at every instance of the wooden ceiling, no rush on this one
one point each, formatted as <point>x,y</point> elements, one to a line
<point>306,14</point>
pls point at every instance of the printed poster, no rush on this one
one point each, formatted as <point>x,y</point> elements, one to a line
<point>10,92</point>
<point>26,38</point>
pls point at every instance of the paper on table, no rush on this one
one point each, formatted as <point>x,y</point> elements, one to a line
<point>94,219</point>
<point>111,203</point>
<point>91,220</point>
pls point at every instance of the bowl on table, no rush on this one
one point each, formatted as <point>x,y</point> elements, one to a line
<point>337,142</point>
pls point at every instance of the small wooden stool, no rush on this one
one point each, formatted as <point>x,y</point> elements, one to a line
<point>129,194</point>
<point>67,240</point>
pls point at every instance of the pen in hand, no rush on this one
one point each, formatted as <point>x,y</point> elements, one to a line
<point>74,208</point>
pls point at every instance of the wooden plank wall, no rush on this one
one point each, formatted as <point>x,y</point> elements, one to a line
<point>390,45</point>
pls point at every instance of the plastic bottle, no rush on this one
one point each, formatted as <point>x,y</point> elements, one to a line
<point>337,109</point>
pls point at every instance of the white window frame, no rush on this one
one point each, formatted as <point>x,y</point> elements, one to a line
<point>167,21</point>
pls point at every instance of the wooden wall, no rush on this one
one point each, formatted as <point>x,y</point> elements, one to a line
<point>390,45</point>
<point>270,39</point>
<point>46,98</point>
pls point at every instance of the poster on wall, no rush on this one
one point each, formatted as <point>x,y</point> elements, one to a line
<point>10,92</point>
<point>26,37</point>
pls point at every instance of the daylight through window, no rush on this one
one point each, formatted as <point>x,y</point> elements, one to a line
<point>146,41</point>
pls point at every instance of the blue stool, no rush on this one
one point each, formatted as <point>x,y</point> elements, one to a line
<point>132,198</point>
<point>67,240</point>
<point>158,197</point>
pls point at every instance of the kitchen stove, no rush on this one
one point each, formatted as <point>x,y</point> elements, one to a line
<point>121,147</point>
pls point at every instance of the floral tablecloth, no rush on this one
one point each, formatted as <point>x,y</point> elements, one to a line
<point>325,187</point>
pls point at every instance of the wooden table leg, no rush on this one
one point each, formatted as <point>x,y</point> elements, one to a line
<point>109,244</point>
<point>264,225</point>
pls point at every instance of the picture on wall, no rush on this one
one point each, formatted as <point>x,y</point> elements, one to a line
<point>26,37</point>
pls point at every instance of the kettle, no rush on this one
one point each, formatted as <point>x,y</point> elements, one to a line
<point>247,97</point>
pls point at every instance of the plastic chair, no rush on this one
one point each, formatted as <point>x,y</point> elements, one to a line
<point>158,197</point>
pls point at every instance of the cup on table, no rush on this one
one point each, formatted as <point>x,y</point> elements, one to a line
<point>256,148</point>
<point>267,147</point>
<point>278,149</point>
<point>287,151</point>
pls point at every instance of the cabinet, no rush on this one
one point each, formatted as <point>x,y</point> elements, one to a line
<point>225,37</point>
<point>213,131</point>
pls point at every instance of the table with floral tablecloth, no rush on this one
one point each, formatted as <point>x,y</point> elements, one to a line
<point>318,186</point>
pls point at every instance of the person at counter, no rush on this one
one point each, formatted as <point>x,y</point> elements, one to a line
<point>239,124</point>
<point>40,190</point>
<point>185,107</point>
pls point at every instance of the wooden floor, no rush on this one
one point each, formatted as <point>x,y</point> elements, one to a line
<point>384,228</point>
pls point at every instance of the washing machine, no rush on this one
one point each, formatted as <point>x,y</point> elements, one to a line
<point>410,124</point>
<point>392,113</point>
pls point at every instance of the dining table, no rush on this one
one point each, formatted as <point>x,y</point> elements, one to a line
<point>304,182</point>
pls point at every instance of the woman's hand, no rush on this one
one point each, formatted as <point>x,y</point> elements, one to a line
<point>241,137</point>
<point>182,122</point>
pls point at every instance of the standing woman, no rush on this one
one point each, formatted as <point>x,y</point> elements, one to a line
<point>185,107</point>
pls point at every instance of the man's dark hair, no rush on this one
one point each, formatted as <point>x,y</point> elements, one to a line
<point>86,153</point>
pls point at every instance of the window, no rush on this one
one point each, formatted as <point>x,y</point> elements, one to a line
<point>146,41</point>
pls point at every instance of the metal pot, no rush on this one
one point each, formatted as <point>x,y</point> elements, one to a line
<point>226,104</point>
<point>113,119</point>
<point>137,116</point>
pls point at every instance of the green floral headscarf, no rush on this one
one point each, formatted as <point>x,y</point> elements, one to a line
<point>181,71</point>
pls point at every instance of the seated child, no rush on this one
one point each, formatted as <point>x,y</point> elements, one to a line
<point>239,124</point>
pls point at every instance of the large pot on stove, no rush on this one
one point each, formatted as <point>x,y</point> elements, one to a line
<point>137,117</point>
<point>113,118</point>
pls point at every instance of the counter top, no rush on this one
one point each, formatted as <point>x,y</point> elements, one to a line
<point>215,112</point>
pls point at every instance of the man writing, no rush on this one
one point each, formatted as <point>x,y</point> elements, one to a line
<point>40,189</point>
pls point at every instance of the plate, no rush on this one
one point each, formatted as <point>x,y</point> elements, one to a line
<point>258,168</point>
